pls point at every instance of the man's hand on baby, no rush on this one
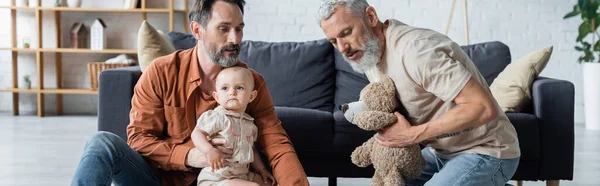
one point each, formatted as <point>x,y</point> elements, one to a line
<point>197,159</point>
<point>218,143</point>
<point>267,177</point>
<point>215,158</point>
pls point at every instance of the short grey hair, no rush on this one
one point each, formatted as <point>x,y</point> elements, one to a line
<point>356,7</point>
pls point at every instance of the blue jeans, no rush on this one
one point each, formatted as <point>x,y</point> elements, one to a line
<point>108,159</point>
<point>465,170</point>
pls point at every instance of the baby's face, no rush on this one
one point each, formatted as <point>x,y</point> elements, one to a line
<point>234,90</point>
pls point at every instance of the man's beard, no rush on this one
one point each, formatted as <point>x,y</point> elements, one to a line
<point>217,55</point>
<point>371,53</point>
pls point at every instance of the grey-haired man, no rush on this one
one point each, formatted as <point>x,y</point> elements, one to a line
<point>470,141</point>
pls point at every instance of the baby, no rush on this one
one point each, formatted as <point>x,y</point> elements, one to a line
<point>234,90</point>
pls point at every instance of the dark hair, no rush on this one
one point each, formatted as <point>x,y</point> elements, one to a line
<point>202,9</point>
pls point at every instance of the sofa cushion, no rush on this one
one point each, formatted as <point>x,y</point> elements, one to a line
<point>512,87</point>
<point>310,130</point>
<point>489,57</point>
<point>347,135</point>
<point>528,132</point>
<point>348,83</point>
<point>182,41</point>
<point>298,74</point>
<point>151,44</point>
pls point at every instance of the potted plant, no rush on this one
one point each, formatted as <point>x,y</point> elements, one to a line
<point>27,81</point>
<point>588,44</point>
<point>26,43</point>
<point>74,3</point>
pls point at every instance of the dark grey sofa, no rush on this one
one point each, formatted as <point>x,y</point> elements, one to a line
<point>307,80</point>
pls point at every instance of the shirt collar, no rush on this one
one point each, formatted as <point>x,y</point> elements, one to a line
<point>222,110</point>
<point>195,66</point>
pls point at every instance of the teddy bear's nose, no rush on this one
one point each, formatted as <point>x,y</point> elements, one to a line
<point>344,108</point>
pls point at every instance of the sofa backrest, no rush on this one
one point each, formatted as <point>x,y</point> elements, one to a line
<point>489,57</point>
<point>348,83</point>
<point>314,75</point>
<point>298,74</point>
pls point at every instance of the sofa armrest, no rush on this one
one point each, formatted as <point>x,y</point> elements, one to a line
<point>115,90</point>
<point>553,104</point>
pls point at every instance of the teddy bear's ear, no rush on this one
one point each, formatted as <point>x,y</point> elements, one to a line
<point>380,96</point>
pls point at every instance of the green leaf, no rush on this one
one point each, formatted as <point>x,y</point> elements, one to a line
<point>583,4</point>
<point>597,46</point>
<point>573,13</point>
<point>588,56</point>
<point>578,48</point>
<point>584,30</point>
<point>596,23</point>
<point>586,45</point>
<point>588,8</point>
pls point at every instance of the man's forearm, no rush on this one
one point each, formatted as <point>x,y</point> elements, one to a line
<point>459,118</point>
<point>166,155</point>
<point>258,163</point>
<point>287,170</point>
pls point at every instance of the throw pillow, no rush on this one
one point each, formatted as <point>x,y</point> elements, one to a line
<point>512,87</point>
<point>151,44</point>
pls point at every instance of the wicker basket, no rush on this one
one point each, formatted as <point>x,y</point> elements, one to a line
<point>94,68</point>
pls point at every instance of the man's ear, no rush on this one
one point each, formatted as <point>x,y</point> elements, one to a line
<point>372,18</point>
<point>253,95</point>
<point>197,30</point>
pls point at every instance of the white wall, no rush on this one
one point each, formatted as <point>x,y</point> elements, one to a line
<point>524,25</point>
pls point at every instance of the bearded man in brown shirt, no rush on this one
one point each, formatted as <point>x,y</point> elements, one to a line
<point>169,97</point>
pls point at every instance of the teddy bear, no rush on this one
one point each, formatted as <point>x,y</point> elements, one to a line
<point>374,111</point>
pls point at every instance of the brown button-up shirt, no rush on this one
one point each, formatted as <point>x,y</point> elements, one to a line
<point>165,107</point>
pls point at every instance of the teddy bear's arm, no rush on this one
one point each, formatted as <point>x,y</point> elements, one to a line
<point>373,120</point>
<point>362,155</point>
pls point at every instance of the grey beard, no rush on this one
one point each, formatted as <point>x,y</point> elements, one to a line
<point>371,52</point>
<point>370,57</point>
<point>217,57</point>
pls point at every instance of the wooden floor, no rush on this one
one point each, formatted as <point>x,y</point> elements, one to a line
<point>45,151</point>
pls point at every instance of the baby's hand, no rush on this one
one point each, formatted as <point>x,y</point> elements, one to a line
<point>215,158</point>
<point>267,177</point>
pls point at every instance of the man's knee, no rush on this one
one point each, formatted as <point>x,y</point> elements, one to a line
<point>105,141</point>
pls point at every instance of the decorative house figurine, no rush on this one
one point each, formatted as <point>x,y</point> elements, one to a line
<point>98,39</point>
<point>79,35</point>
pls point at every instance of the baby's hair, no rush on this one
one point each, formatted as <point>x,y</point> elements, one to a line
<point>246,72</point>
